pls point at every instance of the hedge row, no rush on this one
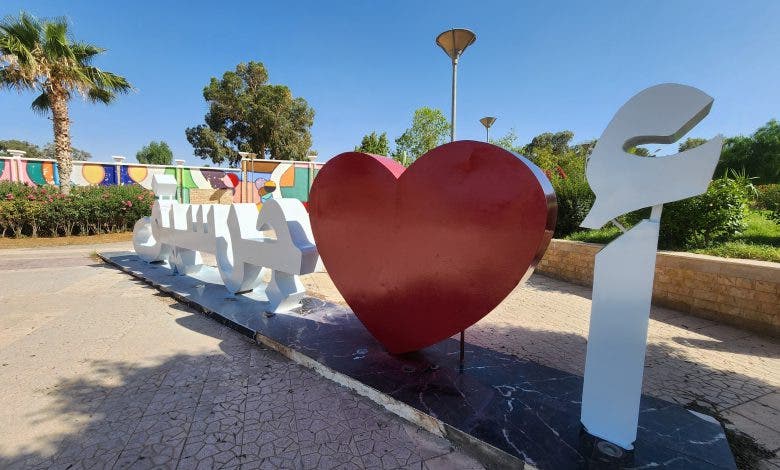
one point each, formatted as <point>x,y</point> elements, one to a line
<point>42,211</point>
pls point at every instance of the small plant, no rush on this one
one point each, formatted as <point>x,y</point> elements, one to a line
<point>768,198</point>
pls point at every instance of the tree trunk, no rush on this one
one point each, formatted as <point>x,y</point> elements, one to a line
<point>59,110</point>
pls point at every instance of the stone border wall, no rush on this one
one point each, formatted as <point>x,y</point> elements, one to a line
<point>743,293</point>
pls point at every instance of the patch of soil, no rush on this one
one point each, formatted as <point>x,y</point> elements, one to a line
<point>65,241</point>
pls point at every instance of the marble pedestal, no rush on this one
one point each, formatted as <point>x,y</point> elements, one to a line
<point>506,411</point>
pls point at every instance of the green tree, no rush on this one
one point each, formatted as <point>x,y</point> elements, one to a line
<point>557,142</point>
<point>758,155</point>
<point>33,151</point>
<point>40,56</point>
<point>584,149</point>
<point>639,151</point>
<point>429,130</point>
<point>689,143</point>
<point>375,144</point>
<point>508,142</point>
<point>49,151</point>
<point>156,153</point>
<point>247,114</point>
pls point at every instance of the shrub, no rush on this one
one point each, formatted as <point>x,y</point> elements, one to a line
<point>715,216</point>
<point>34,211</point>
<point>574,201</point>
<point>768,198</point>
<point>565,168</point>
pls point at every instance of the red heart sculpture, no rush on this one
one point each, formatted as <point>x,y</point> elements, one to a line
<point>422,253</point>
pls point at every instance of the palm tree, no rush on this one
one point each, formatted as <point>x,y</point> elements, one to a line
<point>41,56</point>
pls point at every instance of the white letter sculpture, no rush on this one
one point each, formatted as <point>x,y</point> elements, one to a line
<point>235,234</point>
<point>624,269</point>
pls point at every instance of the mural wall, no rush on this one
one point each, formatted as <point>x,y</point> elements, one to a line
<point>255,182</point>
<point>33,172</point>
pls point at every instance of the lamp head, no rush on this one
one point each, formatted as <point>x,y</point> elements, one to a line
<point>455,41</point>
<point>487,121</point>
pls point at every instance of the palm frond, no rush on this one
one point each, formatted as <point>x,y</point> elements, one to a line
<point>18,39</point>
<point>56,46</point>
<point>100,95</point>
<point>85,52</point>
<point>11,77</point>
<point>41,104</point>
<point>107,80</point>
<point>26,29</point>
<point>42,55</point>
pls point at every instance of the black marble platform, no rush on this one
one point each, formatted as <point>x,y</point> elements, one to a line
<point>509,411</point>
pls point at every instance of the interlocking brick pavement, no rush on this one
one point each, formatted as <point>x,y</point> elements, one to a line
<point>100,371</point>
<point>733,372</point>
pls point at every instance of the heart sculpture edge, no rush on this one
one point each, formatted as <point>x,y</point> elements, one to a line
<point>421,253</point>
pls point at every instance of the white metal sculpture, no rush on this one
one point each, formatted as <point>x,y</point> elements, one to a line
<point>247,244</point>
<point>624,269</point>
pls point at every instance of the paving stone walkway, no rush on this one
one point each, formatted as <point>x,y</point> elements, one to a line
<point>732,372</point>
<point>100,371</point>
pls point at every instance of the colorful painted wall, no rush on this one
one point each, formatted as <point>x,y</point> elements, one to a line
<point>254,182</point>
<point>272,179</point>
<point>34,172</point>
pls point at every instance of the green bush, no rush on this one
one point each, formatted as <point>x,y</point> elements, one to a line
<point>715,216</point>
<point>35,211</point>
<point>574,201</point>
<point>768,198</point>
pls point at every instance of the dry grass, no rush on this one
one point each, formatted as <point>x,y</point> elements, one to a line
<point>64,241</point>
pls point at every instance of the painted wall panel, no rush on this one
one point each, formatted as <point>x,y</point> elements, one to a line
<point>262,181</point>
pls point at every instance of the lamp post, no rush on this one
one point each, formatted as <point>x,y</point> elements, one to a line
<point>487,121</point>
<point>453,43</point>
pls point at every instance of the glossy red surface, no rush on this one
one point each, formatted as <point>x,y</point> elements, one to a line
<point>422,254</point>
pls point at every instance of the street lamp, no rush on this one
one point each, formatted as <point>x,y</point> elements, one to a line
<point>487,121</point>
<point>453,43</point>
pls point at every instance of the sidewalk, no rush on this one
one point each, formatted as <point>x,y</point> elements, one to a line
<point>732,373</point>
<point>98,369</point>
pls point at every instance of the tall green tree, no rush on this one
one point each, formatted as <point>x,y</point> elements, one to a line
<point>689,143</point>
<point>50,151</point>
<point>508,142</point>
<point>247,114</point>
<point>41,56</point>
<point>375,144</point>
<point>429,130</point>
<point>556,142</point>
<point>757,155</point>
<point>31,150</point>
<point>155,153</point>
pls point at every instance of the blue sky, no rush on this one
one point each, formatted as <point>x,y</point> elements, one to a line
<point>538,66</point>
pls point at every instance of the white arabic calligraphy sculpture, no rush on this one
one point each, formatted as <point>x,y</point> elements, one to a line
<point>237,236</point>
<point>624,269</point>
